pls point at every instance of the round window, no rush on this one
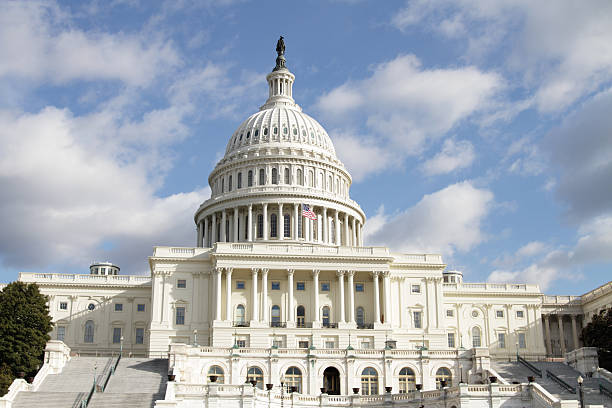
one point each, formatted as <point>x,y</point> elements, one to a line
<point>474,313</point>
<point>91,306</point>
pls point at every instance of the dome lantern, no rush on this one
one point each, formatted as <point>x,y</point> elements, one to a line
<point>280,82</point>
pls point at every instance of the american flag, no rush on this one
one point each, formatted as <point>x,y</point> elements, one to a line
<point>307,212</point>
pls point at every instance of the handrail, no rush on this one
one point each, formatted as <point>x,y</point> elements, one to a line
<point>562,383</point>
<point>110,372</point>
<point>530,366</point>
<point>605,390</point>
<point>86,400</point>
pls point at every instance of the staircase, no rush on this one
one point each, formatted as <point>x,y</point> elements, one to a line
<point>515,372</point>
<point>66,389</point>
<point>137,383</point>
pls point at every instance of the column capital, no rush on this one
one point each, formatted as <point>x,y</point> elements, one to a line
<point>254,271</point>
<point>264,271</point>
<point>340,273</point>
<point>218,269</point>
<point>228,271</point>
<point>385,274</point>
<point>315,272</point>
<point>375,274</point>
<point>350,273</point>
<point>290,272</point>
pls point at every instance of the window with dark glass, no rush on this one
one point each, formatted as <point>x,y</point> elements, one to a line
<point>61,333</point>
<point>273,226</point>
<point>324,286</point>
<point>139,335</point>
<point>325,314</point>
<point>275,285</point>
<point>359,287</point>
<point>262,177</point>
<point>180,315</point>
<point>89,332</point>
<point>141,307</point>
<point>116,335</point>
<point>286,176</point>
<point>275,316</point>
<point>181,283</point>
<point>256,374</point>
<point>259,226</point>
<point>250,178</point>
<point>239,284</point>
<point>301,316</point>
<point>218,373</point>
<point>300,286</point>
<point>239,181</point>
<point>275,176</point>
<point>118,307</point>
<point>229,183</point>
<point>287,226</point>
<point>63,305</point>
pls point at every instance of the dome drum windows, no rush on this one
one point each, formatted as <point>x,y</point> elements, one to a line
<point>250,178</point>
<point>275,176</point>
<point>262,177</point>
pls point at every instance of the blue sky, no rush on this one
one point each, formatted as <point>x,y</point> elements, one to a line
<point>476,129</point>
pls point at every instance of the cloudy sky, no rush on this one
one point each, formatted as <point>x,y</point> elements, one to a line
<point>477,129</point>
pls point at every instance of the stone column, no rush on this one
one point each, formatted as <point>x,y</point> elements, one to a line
<point>250,223</point>
<point>254,300</point>
<point>346,230</point>
<point>213,239</point>
<point>337,224</point>
<point>325,226</point>
<point>376,297</point>
<point>235,238</point>
<point>386,304</point>
<point>354,243</point>
<point>574,332</point>
<point>341,287</point>
<point>264,295</point>
<point>265,221</point>
<point>223,222</point>
<point>281,223</point>
<point>290,295</point>
<point>315,278</point>
<point>296,220</point>
<point>199,241</point>
<point>206,235</point>
<point>561,334</point>
<point>351,286</point>
<point>228,294</point>
<point>218,293</point>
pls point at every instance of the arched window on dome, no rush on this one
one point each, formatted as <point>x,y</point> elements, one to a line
<point>265,131</point>
<point>287,226</point>
<point>239,181</point>
<point>295,132</point>
<point>293,378</point>
<point>218,373</point>
<point>360,317</point>
<point>407,380</point>
<point>303,133</point>
<point>476,337</point>
<point>444,374</point>
<point>229,183</point>
<point>260,226</point>
<point>256,132</point>
<point>249,134</point>
<point>89,332</point>
<point>310,178</point>
<point>369,381</point>
<point>250,178</point>
<point>300,180</point>
<point>285,131</point>
<point>333,231</point>
<point>222,184</point>
<point>329,183</point>
<point>275,130</point>
<point>300,228</point>
<point>301,316</point>
<point>273,226</point>
<point>320,181</point>
<point>287,180</point>
<point>262,177</point>
<point>337,190</point>
<point>275,176</point>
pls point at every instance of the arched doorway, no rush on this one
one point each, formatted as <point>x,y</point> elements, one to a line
<point>331,381</point>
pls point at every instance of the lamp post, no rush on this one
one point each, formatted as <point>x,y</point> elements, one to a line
<point>95,374</point>
<point>517,351</point>
<point>195,337</point>
<point>580,391</point>
<point>282,381</point>
<point>121,346</point>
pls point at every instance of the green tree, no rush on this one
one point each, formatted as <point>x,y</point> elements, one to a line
<point>598,333</point>
<point>24,327</point>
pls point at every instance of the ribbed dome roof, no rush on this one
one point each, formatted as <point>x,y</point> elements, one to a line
<point>281,126</point>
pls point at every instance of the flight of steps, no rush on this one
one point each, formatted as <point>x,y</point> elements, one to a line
<point>515,372</point>
<point>65,389</point>
<point>137,383</point>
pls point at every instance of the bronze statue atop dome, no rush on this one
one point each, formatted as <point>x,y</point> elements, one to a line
<point>280,50</point>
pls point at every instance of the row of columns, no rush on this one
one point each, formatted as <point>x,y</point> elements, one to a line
<point>218,276</point>
<point>207,227</point>
<point>547,336</point>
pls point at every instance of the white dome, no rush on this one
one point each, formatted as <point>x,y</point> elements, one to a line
<point>281,126</point>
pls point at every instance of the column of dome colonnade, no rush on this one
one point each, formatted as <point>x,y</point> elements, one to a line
<point>276,162</point>
<point>283,221</point>
<point>381,299</point>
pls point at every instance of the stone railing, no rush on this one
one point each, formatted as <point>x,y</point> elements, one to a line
<point>53,278</point>
<point>597,292</point>
<point>492,287</point>
<point>561,300</point>
<point>17,386</point>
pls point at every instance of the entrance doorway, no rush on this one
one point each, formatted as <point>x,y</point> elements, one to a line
<point>331,380</point>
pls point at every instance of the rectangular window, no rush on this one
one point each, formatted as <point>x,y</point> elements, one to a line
<point>230,183</point>
<point>239,180</point>
<point>141,307</point>
<point>300,286</point>
<point>239,284</point>
<point>250,178</point>
<point>287,226</point>
<point>139,335</point>
<point>262,177</point>
<point>259,226</point>
<point>181,283</point>
<point>499,313</point>
<point>241,343</point>
<point>520,314</point>
<point>416,288</point>
<point>418,324</point>
<point>303,344</point>
<point>61,333</point>
<point>450,313</point>
<point>365,344</point>
<point>501,340</point>
<point>330,344</point>
<point>451,340</point>
<point>275,285</point>
<point>116,335</point>
<point>180,315</point>
<point>324,286</point>
<point>63,305</point>
<point>359,287</point>
<point>118,307</point>
<point>277,343</point>
<point>522,341</point>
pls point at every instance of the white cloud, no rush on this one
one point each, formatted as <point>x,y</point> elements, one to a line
<point>531,249</point>
<point>38,42</point>
<point>562,52</point>
<point>453,156</point>
<point>448,220</point>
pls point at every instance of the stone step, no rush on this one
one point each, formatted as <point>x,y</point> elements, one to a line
<point>133,400</point>
<point>48,399</point>
<point>76,376</point>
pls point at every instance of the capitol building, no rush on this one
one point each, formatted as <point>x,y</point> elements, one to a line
<point>279,288</point>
